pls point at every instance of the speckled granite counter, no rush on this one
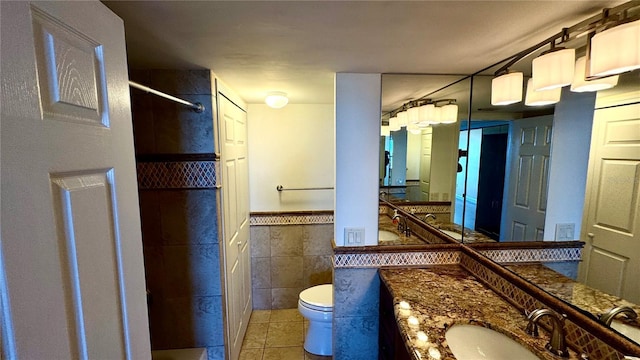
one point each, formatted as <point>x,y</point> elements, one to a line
<point>443,295</point>
<point>586,298</point>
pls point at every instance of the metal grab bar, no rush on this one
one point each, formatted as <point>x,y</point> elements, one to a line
<point>280,188</point>
<point>198,107</point>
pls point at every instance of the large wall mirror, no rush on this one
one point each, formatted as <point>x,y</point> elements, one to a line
<point>528,177</point>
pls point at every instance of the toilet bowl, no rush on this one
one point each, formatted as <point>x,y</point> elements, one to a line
<point>316,305</point>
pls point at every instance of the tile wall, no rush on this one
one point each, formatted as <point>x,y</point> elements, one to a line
<point>286,259</point>
<point>178,203</point>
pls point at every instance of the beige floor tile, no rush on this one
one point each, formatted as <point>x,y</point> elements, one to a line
<point>285,315</point>
<point>284,334</point>
<point>284,353</point>
<point>251,354</point>
<point>256,335</point>
<point>310,356</point>
<point>260,316</point>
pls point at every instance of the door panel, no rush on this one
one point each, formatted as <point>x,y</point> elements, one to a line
<point>71,241</point>
<point>235,197</point>
<point>612,218</point>
<point>526,197</point>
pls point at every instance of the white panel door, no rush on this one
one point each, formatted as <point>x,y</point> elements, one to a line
<point>612,217</point>
<point>235,199</point>
<point>72,270</point>
<point>425,164</point>
<point>526,198</point>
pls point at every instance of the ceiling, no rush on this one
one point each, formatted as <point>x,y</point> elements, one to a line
<point>297,46</point>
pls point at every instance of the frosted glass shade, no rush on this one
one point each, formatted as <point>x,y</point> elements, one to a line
<point>384,130</point>
<point>394,124</point>
<point>506,89</point>
<point>427,114</point>
<point>413,128</point>
<point>413,115</point>
<point>403,119</point>
<point>542,97</point>
<point>276,99</point>
<point>616,50</point>
<point>437,115</point>
<point>553,70</point>
<point>449,114</point>
<point>579,83</point>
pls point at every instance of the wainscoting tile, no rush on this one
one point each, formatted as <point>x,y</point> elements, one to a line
<point>356,292</point>
<point>193,322</point>
<point>355,338</point>
<point>317,239</point>
<point>317,270</point>
<point>285,298</point>
<point>286,271</point>
<point>186,216</point>
<point>150,217</point>
<point>261,272</point>
<point>261,299</point>
<point>194,270</point>
<point>286,240</point>
<point>260,241</point>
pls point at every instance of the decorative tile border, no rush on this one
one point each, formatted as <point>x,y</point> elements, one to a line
<point>426,209</point>
<point>579,338</point>
<point>531,255</point>
<point>289,219</point>
<point>375,260</point>
<point>178,175</point>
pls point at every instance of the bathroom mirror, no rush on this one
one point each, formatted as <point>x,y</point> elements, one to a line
<point>422,168</point>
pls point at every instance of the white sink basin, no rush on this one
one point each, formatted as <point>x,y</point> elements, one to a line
<point>471,342</point>
<point>384,235</point>
<point>631,332</point>
<point>453,234</point>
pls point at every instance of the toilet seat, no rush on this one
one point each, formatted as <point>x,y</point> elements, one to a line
<point>318,297</point>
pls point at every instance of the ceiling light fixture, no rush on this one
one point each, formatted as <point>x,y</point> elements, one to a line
<point>553,69</point>
<point>616,49</point>
<point>394,124</point>
<point>402,118</point>
<point>449,113</point>
<point>385,130</point>
<point>427,114</point>
<point>542,97</point>
<point>276,99</point>
<point>507,88</point>
<point>581,84</point>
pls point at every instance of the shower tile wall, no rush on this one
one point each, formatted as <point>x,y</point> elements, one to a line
<point>179,222</point>
<point>286,259</point>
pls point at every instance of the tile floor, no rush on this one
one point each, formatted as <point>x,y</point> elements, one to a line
<point>276,335</point>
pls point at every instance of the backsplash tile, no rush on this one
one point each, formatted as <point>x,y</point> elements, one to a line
<point>290,219</point>
<point>375,260</point>
<point>177,175</point>
<point>532,255</point>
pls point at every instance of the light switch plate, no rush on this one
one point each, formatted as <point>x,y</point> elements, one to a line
<point>353,236</point>
<point>565,232</point>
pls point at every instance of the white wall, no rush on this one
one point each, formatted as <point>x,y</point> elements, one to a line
<point>572,123</point>
<point>292,147</point>
<point>444,161</point>
<point>357,135</point>
<point>414,149</point>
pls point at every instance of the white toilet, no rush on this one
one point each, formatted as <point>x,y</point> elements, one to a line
<point>316,305</point>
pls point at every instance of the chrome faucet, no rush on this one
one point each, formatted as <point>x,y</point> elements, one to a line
<point>557,344</point>
<point>607,317</point>
<point>402,224</point>
<point>429,216</point>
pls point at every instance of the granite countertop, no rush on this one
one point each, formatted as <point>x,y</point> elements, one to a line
<point>584,297</point>
<point>470,236</point>
<point>443,295</point>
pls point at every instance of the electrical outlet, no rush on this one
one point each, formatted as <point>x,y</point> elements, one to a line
<point>435,196</point>
<point>353,236</point>
<point>565,232</point>
<point>445,196</point>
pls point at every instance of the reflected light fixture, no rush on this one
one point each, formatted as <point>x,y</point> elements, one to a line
<point>507,89</point>
<point>553,69</point>
<point>449,114</point>
<point>385,131</point>
<point>276,99</point>
<point>413,128</point>
<point>413,115</point>
<point>542,97</point>
<point>615,50</point>
<point>394,124</point>
<point>580,84</point>
<point>427,114</point>
<point>402,118</point>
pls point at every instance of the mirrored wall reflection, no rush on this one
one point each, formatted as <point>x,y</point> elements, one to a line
<point>423,164</point>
